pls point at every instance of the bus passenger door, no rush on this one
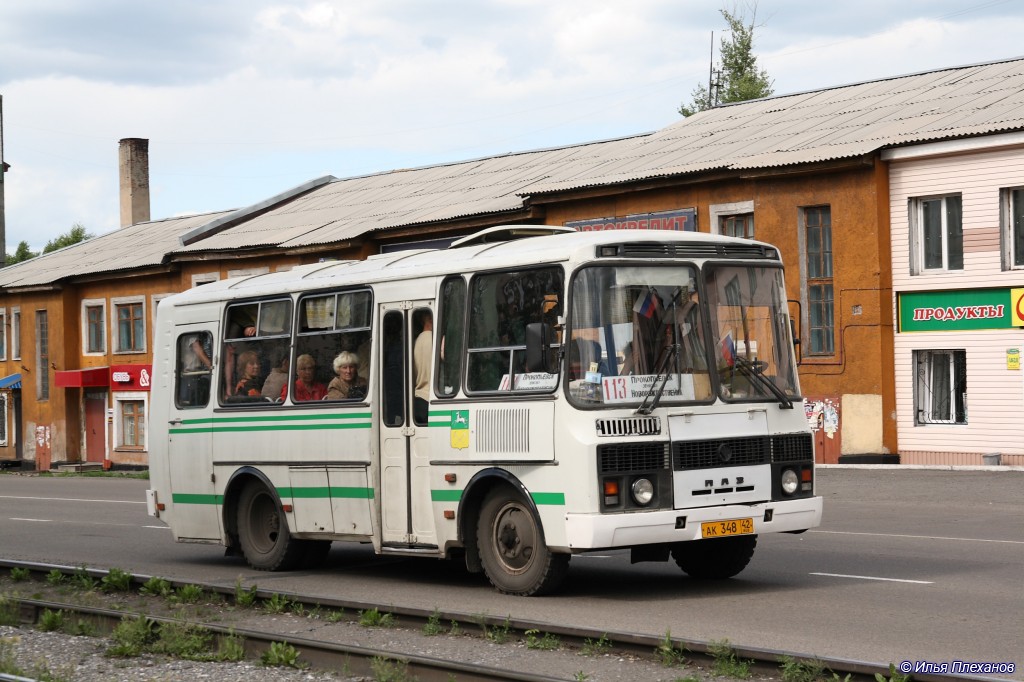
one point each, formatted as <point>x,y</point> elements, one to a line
<point>189,443</point>
<point>407,518</point>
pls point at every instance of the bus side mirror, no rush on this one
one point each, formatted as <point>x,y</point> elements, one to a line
<point>539,355</point>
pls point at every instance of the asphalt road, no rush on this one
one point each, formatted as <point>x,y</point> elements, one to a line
<point>908,565</point>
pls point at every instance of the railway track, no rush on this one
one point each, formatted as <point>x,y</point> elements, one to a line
<point>360,660</point>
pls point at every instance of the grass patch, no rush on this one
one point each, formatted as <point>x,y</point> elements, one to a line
<point>55,578</point>
<point>668,654</point>
<point>388,670</point>
<point>132,637</point>
<point>20,574</point>
<point>116,580</point>
<point>9,612</point>
<point>281,654</point>
<point>433,625</point>
<point>727,664</point>
<point>156,587</point>
<point>372,618</point>
<point>188,594</point>
<point>598,647</point>
<point>278,603</point>
<point>544,641</point>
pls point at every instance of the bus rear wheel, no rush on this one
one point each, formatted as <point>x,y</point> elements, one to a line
<point>715,559</point>
<point>512,550</point>
<point>263,531</point>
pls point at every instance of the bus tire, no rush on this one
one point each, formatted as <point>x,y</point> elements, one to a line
<point>512,550</point>
<point>263,532</point>
<point>715,559</point>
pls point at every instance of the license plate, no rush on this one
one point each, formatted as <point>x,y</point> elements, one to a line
<point>721,529</point>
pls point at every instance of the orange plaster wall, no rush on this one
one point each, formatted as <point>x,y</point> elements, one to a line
<point>858,198</point>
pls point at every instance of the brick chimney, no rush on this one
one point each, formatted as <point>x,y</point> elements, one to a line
<point>134,172</point>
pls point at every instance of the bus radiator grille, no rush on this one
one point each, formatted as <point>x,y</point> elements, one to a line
<point>628,457</point>
<point>722,452</point>
<point>793,447</point>
<point>629,426</point>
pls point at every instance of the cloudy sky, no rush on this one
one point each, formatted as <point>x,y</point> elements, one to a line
<point>242,99</point>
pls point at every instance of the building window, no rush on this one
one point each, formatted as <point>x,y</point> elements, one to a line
<point>737,225</point>
<point>131,326</point>
<point>94,326</point>
<point>15,333</point>
<point>42,356</point>
<point>938,233</point>
<point>1013,228</point>
<point>940,395</point>
<point>3,333</point>
<point>201,278</point>
<point>3,419</point>
<point>132,424</point>
<point>818,242</point>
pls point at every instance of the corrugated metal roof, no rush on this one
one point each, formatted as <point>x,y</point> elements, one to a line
<point>334,212</point>
<point>831,124</point>
<point>127,248</point>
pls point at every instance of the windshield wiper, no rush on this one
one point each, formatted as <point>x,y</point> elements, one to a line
<point>657,391</point>
<point>752,369</point>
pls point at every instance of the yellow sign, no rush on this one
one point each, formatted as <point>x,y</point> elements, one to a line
<point>1013,358</point>
<point>1017,307</point>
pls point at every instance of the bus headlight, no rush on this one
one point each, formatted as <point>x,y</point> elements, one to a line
<point>643,491</point>
<point>790,481</point>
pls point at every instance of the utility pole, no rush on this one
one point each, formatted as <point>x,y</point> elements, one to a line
<point>3,171</point>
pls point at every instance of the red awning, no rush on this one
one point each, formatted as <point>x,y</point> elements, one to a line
<point>82,378</point>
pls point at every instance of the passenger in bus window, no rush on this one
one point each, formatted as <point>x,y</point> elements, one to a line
<point>277,380</point>
<point>249,383</point>
<point>241,324</point>
<point>306,386</point>
<point>424,320</point>
<point>348,385</point>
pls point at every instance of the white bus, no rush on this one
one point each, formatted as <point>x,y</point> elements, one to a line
<point>527,394</point>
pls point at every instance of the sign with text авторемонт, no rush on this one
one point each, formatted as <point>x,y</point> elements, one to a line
<point>683,220</point>
<point>964,310</point>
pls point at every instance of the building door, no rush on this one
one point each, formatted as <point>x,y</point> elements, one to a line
<point>95,426</point>
<point>407,518</point>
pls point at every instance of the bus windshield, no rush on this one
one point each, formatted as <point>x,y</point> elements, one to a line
<point>750,335</point>
<point>638,336</point>
<point>636,331</point>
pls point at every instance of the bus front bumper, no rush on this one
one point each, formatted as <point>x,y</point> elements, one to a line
<point>604,531</point>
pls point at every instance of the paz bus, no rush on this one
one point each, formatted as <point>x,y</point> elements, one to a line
<point>527,394</point>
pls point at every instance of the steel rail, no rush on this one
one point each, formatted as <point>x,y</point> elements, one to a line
<point>765,661</point>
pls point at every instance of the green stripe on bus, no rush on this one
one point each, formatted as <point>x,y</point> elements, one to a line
<point>190,498</point>
<point>538,498</point>
<point>355,493</point>
<point>439,418</point>
<point>271,427</point>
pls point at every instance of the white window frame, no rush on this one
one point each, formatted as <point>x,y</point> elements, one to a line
<point>16,333</point>
<point>3,333</point>
<point>5,437</point>
<point>925,381</point>
<point>719,211</point>
<point>916,213</point>
<point>1008,229</point>
<point>248,272</point>
<point>94,303</point>
<point>154,302</point>
<point>204,278</point>
<point>115,326</point>
<point>130,396</point>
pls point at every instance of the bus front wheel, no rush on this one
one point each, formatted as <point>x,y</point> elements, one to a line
<point>716,559</point>
<point>263,531</point>
<point>512,548</point>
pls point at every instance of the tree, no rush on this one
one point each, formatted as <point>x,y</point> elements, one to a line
<point>76,234</point>
<point>22,253</point>
<point>739,79</point>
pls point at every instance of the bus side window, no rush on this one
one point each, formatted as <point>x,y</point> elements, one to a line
<point>194,364</point>
<point>451,328</point>
<point>332,329</point>
<point>256,344</point>
<point>501,305</point>
<point>393,374</point>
